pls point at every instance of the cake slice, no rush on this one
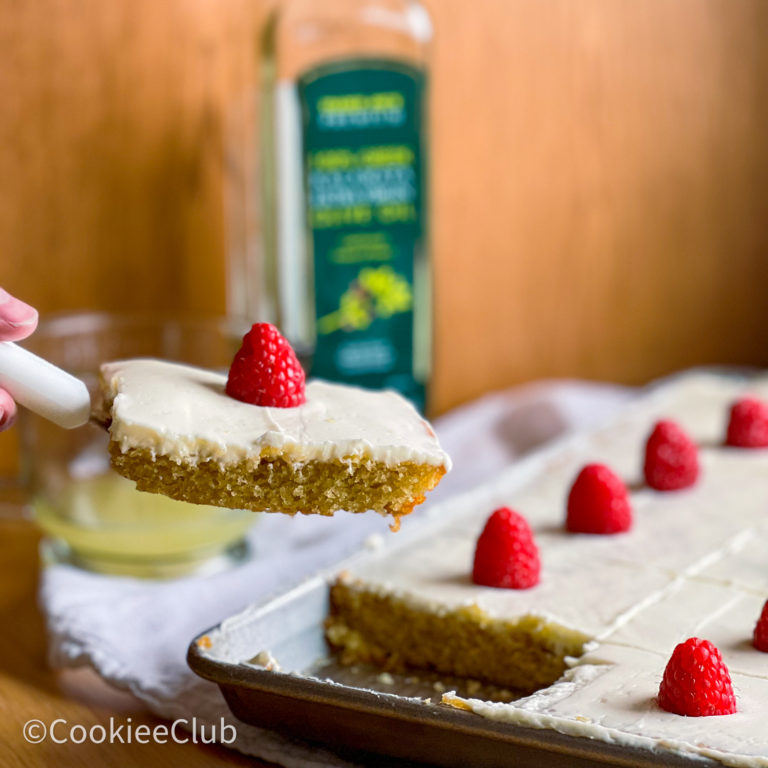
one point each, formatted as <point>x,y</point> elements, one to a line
<point>175,431</point>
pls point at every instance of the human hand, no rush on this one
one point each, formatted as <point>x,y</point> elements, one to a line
<point>17,321</point>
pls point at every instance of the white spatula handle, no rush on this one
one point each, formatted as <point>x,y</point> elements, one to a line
<point>42,387</point>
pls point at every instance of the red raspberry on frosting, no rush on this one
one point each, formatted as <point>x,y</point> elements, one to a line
<point>266,371</point>
<point>760,637</point>
<point>696,682</point>
<point>598,502</point>
<point>506,554</point>
<point>748,424</point>
<point>671,458</point>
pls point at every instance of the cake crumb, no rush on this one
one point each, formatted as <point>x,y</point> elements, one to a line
<point>386,679</point>
<point>473,687</point>
<point>267,660</point>
<point>438,686</point>
<point>452,700</point>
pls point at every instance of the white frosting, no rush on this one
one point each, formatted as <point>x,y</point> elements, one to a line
<point>611,696</point>
<point>183,412</point>
<point>694,563</point>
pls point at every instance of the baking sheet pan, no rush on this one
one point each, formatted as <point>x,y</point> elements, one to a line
<point>364,715</point>
<point>368,717</point>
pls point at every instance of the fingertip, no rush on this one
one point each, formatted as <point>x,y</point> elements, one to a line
<point>17,318</point>
<point>7,421</point>
<point>7,410</point>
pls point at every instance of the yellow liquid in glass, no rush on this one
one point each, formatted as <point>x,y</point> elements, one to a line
<point>105,518</point>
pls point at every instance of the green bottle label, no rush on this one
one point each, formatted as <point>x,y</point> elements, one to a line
<point>362,129</point>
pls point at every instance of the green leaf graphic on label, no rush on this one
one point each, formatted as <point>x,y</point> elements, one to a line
<point>379,292</point>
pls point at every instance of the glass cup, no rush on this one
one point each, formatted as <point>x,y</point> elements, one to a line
<point>92,517</point>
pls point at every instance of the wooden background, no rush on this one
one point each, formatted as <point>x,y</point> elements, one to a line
<point>600,174</point>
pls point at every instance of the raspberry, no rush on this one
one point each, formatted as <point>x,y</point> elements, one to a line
<point>598,502</point>
<point>760,638</point>
<point>506,554</point>
<point>696,681</point>
<point>748,424</point>
<point>671,458</point>
<point>265,370</point>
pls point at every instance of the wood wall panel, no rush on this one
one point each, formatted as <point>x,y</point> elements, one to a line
<point>111,149</point>
<point>600,174</point>
<point>600,190</point>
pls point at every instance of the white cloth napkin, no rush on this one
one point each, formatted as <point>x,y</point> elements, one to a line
<point>135,633</point>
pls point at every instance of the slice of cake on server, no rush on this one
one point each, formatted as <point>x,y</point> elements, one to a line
<point>260,439</point>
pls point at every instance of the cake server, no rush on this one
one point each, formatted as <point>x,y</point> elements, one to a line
<point>42,387</point>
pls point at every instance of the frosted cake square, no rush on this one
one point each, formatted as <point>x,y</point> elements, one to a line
<point>175,431</point>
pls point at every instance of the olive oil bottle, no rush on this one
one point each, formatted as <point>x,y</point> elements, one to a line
<point>344,260</point>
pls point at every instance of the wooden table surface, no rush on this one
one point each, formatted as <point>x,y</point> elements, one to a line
<point>30,689</point>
